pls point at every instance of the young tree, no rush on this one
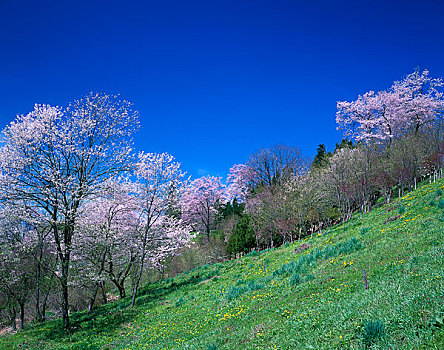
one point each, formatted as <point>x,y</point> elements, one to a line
<point>106,245</point>
<point>160,234</point>
<point>239,183</point>
<point>242,238</point>
<point>321,158</point>
<point>275,165</point>
<point>17,241</point>
<point>200,202</point>
<point>55,159</point>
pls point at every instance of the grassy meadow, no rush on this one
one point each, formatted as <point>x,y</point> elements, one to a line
<point>282,299</point>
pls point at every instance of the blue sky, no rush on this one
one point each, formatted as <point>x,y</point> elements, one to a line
<point>216,80</point>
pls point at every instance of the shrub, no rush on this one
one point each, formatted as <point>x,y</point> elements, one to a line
<point>300,266</point>
<point>441,204</point>
<point>432,203</point>
<point>295,280</point>
<point>240,282</point>
<point>373,331</point>
<point>235,292</point>
<point>439,192</point>
<point>253,286</point>
<point>401,209</point>
<point>253,253</point>
<point>309,278</point>
<point>364,230</point>
<point>351,246</point>
<point>180,301</point>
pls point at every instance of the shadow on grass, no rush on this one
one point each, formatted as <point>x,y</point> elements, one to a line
<point>107,318</point>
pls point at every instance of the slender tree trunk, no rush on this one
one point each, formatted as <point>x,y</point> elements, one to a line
<point>93,297</point>
<point>271,239</point>
<point>102,287</point>
<point>13,317</point>
<point>120,287</point>
<point>38,314</point>
<point>65,305</point>
<point>22,315</point>
<point>43,310</point>
<point>139,278</point>
<point>96,287</point>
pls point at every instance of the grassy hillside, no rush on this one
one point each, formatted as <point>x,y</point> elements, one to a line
<point>279,299</point>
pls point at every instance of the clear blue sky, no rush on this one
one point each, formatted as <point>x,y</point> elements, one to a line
<point>216,80</point>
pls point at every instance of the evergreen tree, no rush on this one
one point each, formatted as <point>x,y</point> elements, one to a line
<point>322,156</point>
<point>242,239</point>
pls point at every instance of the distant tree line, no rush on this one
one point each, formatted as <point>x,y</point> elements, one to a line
<point>395,141</point>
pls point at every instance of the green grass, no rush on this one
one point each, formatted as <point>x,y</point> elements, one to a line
<point>310,300</point>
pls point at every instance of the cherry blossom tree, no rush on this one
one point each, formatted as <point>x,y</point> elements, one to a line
<point>410,104</point>
<point>15,264</point>
<point>239,181</point>
<point>54,159</point>
<point>160,234</point>
<point>200,201</point>
<point>106,246</point>
<point>421,99</point>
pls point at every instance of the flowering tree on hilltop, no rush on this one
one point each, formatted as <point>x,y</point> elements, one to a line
<point>409,105</point>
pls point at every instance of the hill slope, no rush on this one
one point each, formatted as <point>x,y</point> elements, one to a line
<point>285,300</point>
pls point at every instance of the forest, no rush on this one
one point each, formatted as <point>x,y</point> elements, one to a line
<point>86,219</point>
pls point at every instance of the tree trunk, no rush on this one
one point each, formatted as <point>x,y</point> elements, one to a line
<point>22,315</point>
<point>139,277</point>
<point>93,297</point>
<point>102,287</point>
<point>38,314</point>
<point>65,305</point>
<point>43,310</point>
<point>12,317</point>
<point>120,287</point>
